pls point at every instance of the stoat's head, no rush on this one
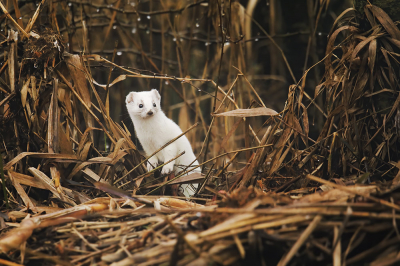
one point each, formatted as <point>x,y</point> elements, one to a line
<point>143,104</point>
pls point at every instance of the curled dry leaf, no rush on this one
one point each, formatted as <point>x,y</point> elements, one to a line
<point>260,111</point>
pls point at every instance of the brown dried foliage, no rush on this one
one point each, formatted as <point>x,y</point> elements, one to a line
<point>62,150</point>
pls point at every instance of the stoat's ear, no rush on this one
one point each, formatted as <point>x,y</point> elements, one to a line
<point>130,97</point>
<point>158,96</point>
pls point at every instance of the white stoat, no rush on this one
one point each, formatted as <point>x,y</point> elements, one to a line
<point>154,129</point>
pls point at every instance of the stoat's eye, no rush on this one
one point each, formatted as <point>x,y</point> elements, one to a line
<point>140,105</point>
<point>154,104</point>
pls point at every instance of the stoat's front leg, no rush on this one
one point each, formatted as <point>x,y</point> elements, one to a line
<point>170,152</point>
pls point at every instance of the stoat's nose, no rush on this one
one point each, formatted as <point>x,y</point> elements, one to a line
<point>150,112</point>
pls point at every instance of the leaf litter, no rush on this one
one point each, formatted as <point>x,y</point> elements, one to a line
<point>296,200</point>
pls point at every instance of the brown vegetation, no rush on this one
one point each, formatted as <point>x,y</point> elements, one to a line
<point>315,183</point>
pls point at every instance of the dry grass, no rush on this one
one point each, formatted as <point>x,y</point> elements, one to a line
<point>264,196</point>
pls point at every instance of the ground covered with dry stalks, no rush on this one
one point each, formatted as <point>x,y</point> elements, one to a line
<point>307,177</point>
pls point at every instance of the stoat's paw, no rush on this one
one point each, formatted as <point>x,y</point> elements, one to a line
<point>167,169</point>
<point>149,167</point>
<point>151,164</point>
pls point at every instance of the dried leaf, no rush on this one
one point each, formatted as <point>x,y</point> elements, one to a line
<point>178,204</point>
<point>21,192</point>
<point>372,56</point>
<point>45,180</point>
<point>77,72</point>
<point>386,21</point>
<point>27,180</point>
<point>260,111</point>
<point>359,88</point>
<point>362,45</point>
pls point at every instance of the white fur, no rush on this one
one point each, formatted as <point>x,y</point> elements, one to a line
<point>154,129</point>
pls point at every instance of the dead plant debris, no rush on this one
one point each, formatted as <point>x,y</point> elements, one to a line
<point>74,182</point>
